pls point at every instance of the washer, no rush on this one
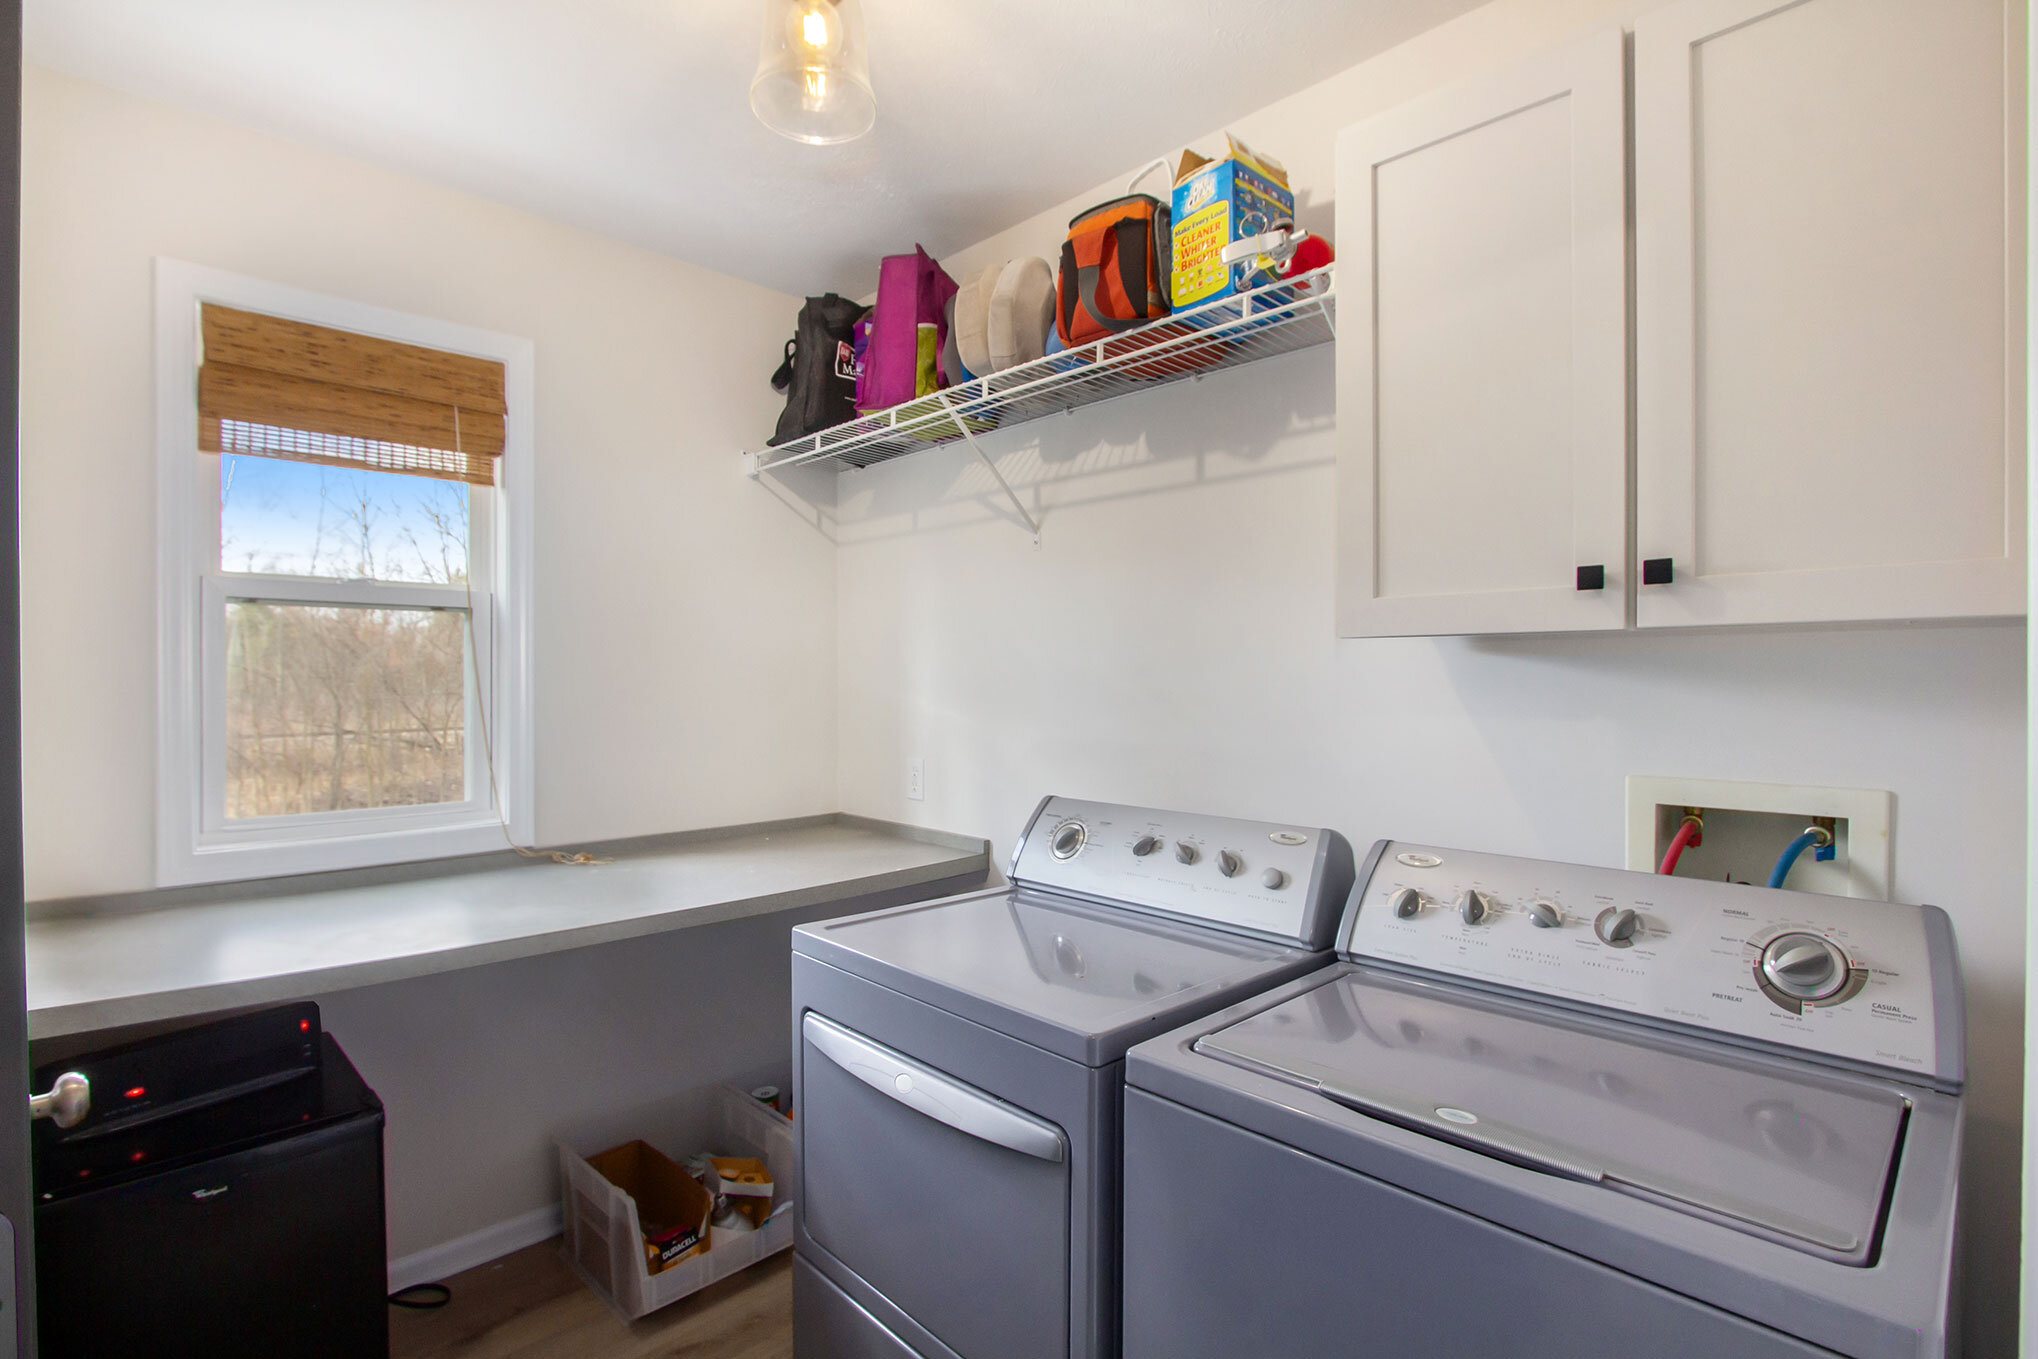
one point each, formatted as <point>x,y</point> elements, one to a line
<point>958,1069</point>
<point>1547,1110</point>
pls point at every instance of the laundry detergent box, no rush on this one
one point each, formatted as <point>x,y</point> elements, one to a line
<point>1242,193</point>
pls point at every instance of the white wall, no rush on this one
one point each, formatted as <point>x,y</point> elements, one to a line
<point>1172,642</point>
<point>684,626</point>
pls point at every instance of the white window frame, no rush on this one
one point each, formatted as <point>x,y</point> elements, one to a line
<point>195,843</point>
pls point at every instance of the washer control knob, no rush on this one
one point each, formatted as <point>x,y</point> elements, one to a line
<point>1228,863</point>
<point>1406,902</point>
<point>1805,966</point>
<point>1068,840</point>
<point>1185,853</point>
<point>1145,845</point>
<point>1618,927</point>
<point>1274,879</point>
<point>1471,906</point>
<point>1544,915</point>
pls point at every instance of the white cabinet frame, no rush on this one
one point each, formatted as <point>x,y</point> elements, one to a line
<point>1671,224</point>
<point>1590,76</point>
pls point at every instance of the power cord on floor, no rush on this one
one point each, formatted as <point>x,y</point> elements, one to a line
<point>424,1297</point>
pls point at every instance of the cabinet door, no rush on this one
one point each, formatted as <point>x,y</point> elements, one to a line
<point>1482,355</point>
<point>1829,313</point>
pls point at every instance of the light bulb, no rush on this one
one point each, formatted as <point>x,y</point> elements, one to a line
<point>815,31</point>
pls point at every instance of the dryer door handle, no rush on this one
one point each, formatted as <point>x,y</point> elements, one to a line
<point>1467,1129</point>
<point>928,1092</point>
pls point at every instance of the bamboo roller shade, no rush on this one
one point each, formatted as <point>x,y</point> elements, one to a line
<point>285,389</point>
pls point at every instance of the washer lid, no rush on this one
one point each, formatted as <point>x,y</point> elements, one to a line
<point>1792,1155</point>
<point>1079,980</point>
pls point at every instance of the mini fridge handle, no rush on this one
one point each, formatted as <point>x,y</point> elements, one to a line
<point>67,1102</point>
<point>928,1092</point>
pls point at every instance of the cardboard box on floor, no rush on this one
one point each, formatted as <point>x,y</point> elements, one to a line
<point>672,1206</point>
<point>1241,193</point>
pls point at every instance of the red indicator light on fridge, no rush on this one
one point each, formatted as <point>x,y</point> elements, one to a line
<point>138,1157</point>
<point>304,1026</point>
<point>136,1091</point>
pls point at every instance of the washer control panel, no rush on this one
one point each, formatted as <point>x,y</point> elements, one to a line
<point>1266,878</point>
<point>1874,982</point>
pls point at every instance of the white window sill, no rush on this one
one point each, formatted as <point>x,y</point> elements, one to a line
<point>97,964</point>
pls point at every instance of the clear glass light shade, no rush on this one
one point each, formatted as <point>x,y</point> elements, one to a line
<point>813,71</point>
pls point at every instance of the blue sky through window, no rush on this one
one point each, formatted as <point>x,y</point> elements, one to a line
<point>311,519</point>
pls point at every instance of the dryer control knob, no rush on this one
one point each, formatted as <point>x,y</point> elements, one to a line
<point>1068,840</point>
<point>1185,853</point>
<point>1472,906</point>
<point>1228,863</point>
<point>1617,927</point>
<point>1145,845</point>
<point>1805,967</point>
<point>1274,879</point>
<point>1406,903</point>
<point>1544,915</point>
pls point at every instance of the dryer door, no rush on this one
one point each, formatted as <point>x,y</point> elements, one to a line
<point>950,1202</point>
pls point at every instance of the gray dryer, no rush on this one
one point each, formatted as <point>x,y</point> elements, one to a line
<point>958,1068</point>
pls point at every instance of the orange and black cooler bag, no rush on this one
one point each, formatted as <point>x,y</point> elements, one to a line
<point>1114,269</point>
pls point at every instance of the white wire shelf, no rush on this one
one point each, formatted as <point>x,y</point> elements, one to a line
<point>1278,318</point>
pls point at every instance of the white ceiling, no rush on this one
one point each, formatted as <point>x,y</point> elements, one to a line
<point>631,117</point>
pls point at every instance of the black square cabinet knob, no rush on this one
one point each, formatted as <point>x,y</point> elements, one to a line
<point>1592,577</point>
<point>1656,571</point>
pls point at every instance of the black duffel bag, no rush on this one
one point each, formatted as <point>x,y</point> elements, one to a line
<point>818,376</point>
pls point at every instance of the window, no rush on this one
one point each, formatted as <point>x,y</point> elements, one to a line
<point>343,550</point>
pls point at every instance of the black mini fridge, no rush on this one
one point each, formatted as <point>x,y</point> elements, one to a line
<point>223,1198</point>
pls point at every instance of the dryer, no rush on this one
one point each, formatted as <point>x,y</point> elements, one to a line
<point>1546,1110</point>
<point>958,1068</point>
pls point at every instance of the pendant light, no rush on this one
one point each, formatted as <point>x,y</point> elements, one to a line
<point>813,72</point>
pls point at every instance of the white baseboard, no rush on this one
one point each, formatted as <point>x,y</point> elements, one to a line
<point>476,1248</point>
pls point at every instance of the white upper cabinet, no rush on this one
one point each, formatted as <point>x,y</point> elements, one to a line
<point>1482,356</point>
<point>1829,354</point>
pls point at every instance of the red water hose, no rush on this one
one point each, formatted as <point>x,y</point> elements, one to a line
<point>1691,833</point>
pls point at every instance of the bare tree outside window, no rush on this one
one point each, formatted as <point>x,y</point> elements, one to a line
<point>331,708</point>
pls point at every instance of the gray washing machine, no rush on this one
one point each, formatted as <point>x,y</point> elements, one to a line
<point>958,1068</point>
<point>1544,1110</point>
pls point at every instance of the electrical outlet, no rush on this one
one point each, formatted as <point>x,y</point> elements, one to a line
<point>1748,826</point>
<point>916,778</point>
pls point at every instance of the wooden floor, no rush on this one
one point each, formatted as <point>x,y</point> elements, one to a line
<point>531,1305</point>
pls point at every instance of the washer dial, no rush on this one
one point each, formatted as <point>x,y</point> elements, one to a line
<point>1805,967</point>
<point>1617,926</point>
<point>1069,839</point>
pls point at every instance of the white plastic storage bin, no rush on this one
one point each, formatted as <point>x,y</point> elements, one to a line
<point>603,1239</point>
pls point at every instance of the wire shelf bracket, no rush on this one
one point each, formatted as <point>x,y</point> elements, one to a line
<point>1276,318</point>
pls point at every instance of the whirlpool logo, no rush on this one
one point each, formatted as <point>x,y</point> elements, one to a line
<point>203,1194</point>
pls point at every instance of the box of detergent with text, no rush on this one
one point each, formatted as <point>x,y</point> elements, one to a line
<point>1242,193</point>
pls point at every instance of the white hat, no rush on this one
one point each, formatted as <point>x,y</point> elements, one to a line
<point>972,320</point>
<point>1021,313</point>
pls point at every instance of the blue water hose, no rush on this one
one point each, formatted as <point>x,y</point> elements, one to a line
<point>1810,837</point>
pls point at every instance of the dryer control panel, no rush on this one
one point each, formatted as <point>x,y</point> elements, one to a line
<point>1870,982</point>
<point>1269,879</point>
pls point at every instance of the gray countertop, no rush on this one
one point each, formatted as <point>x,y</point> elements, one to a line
<point>95,964</point>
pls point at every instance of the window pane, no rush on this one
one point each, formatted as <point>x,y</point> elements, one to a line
<point>343,523</point>
<point>333,708</point>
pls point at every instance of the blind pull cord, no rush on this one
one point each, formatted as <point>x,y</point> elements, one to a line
<point>577,857</point>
